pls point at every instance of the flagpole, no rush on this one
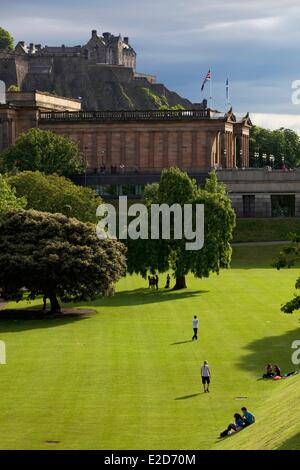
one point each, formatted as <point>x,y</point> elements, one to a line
<point>228,93</point>
<point>211,92</point>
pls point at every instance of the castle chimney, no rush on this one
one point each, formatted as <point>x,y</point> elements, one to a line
<point>94,33</point>
<point>126,40</point>
<point>31,47</point>
<point>106,36</point>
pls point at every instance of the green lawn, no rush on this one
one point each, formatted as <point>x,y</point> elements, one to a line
<point>128,377</point>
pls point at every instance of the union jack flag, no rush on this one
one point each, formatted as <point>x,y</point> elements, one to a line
<point>207,79</point>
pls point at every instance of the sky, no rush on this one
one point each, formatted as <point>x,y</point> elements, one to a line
<point>253,43</point>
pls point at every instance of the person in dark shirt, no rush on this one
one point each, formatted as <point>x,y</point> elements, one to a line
<point>269,372</point>
<point>277,371</point>
<point>156,281</point>
<point>167,286</point>
<point>238,425</point>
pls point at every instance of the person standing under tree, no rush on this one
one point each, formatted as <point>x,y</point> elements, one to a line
<point>205,375</point>
<point>195,327</point>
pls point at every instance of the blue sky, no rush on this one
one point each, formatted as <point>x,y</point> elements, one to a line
<point>253,43</point>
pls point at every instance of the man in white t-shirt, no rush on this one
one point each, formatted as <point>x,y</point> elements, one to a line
<point>205,375</point>
<point>195,327</point>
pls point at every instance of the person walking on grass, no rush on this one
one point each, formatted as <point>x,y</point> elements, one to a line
<point>206,376</point>
<point>195,327</point>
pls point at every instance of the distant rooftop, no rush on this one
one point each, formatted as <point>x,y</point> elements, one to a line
<point>42,100</point>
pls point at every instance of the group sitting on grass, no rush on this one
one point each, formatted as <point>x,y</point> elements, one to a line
<point>240,422</point>
<point>274,372</point>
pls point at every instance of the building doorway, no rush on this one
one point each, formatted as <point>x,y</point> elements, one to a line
<point>249,205</point>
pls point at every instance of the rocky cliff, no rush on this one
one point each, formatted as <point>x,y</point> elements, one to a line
<point>100,86</point>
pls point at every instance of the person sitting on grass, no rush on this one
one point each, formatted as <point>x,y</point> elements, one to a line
<point>277,371</point>
<point>237,426</point>
<point>269,372</point>
<point>248,417</point>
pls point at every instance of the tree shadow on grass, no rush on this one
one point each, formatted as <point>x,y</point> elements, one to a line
<point>14,320</point>
<point>144,296</point>
<point>271,349</point>
<point>293,443</point>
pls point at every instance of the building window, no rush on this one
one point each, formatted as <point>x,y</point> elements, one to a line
<point>283,205</point>
<point>130,190</point>
<point>249,205</point>
<point>106,190</point>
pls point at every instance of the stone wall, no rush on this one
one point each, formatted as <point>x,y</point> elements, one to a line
<point>261,184</point>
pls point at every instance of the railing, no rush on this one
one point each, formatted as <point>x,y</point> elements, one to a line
<point>117,170</point>
<point>158,115</point>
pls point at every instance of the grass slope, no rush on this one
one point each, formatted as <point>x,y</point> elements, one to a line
<point>128,377</point>
<point>277,426</point>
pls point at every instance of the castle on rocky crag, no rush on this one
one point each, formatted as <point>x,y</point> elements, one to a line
<point>106,49</point>
<point>101,72</point>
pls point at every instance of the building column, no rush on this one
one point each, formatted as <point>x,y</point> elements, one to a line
<point>224,158</point>
<point>245,148</point>
<point>165,149</point>
<point>6,133</point>
<point>230,155</point>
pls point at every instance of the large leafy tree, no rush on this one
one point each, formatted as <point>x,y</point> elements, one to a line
<point>161,255</point>
<point>8,198</point>
<point>280,143</point>
<point>53,193</point>
<point>6,40</point>
<point>57,257</point>
<point>44,151</point>
<point>289,256</point>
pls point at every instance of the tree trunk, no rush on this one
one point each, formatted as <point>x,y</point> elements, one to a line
<point>180,283</point>
<point>55,307</point>
<point>44,303</point>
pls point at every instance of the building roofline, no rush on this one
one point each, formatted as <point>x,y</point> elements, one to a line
<point>44,93</point>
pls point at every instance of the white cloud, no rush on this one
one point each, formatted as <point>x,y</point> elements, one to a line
<point>275,121</point>
<point>246,25</point>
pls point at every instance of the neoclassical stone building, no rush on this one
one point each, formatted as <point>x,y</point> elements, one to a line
<point>132,140</point>
<point>124,150</point>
